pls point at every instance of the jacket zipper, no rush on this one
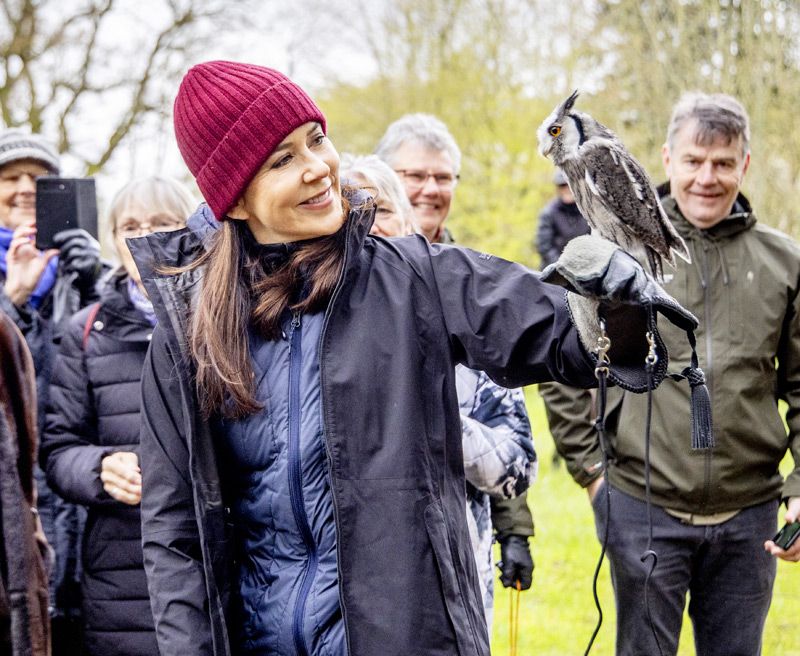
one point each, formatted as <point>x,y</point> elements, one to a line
<point>707,368</point>
<point>326,321</point>
<point>296,485</point>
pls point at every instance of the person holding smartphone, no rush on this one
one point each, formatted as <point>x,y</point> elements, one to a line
<point>39,289</point>
<point>90,446</point>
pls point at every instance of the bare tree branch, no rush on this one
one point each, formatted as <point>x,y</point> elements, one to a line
<point>82,75</point>
<point>138,106</point>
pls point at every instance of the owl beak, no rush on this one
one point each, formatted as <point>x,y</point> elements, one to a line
<point>544,148</point>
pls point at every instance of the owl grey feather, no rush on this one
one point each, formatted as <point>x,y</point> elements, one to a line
<point>612,190</point>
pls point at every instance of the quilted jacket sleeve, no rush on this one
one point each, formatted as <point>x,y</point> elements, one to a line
<point>499,457</point>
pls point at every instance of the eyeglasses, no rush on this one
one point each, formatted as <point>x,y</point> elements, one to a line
<point>416,179</point>
<point>157,223</point>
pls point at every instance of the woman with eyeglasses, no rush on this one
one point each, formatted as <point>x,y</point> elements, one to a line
<point>302,468</point>
<point>90,448</point>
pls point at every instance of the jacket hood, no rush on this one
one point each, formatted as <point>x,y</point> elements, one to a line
<point>740,219</point>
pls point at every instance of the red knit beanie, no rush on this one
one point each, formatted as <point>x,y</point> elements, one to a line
<point>229,117</point>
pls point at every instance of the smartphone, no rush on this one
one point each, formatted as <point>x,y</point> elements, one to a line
<point>63,204</point>
<point>787,536</point>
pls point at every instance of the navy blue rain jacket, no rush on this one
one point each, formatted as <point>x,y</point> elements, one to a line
<point>403,314</point>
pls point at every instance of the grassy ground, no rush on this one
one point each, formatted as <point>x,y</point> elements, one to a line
<point>557,616</point>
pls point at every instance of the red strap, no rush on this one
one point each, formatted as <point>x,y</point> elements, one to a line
<point>87,328</point>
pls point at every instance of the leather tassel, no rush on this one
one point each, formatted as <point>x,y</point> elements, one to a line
<point>702,430</point>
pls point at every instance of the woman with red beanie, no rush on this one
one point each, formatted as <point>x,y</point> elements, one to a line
<point>302,473</point>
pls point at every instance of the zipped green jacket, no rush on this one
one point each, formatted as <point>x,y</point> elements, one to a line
<point>743,285</point>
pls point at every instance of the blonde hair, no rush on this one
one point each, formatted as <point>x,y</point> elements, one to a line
<point>380,179</point>
<point>152,195</point>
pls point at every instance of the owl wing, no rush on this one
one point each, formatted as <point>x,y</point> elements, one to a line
<point>622,186</point>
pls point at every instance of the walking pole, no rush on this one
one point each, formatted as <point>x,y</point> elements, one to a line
<point>513,622</point>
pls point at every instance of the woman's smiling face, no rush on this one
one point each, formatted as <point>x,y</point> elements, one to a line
<point>296,194</point>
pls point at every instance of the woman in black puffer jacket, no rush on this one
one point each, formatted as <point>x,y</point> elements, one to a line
<point>90,444</point>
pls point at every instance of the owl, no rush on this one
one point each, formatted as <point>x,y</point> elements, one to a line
<point>612,190</point>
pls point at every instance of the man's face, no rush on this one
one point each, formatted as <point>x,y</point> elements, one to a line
<point>18,192</point>
<point>704,180</point>
<point>429,179</point>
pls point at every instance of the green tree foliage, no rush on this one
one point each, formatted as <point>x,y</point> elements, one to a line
<point>464,61</point>
<point>493,69</point>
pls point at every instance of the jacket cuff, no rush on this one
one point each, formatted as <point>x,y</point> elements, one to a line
<point>791,488</point>
<point>22,315</point>
<point>588,469</point>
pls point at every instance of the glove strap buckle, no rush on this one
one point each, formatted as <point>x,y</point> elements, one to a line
<point>602,347</point>
<point>652,356</point>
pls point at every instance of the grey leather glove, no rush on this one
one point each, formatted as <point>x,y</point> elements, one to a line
<point>596,268</point>
<point>603,280</point>
<point>516,562</point>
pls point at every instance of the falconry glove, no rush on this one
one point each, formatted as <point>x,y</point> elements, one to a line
<point>605,282</point>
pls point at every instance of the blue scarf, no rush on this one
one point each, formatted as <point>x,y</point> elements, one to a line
<point>48,278</point>
<point>141,302</point>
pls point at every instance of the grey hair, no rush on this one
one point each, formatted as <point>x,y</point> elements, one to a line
<point>151,195</point>
<point>378,175</point>
<point>718,115</point>
<point>425,129</point>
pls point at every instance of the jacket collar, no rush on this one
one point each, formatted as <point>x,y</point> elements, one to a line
<point>740,219</point>
<point>173,294</point>
<point>119,313</point>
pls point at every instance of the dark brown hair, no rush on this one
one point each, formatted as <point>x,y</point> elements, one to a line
<point>240,291</point>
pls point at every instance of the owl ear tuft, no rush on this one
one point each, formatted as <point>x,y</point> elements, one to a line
<point>568,103</point>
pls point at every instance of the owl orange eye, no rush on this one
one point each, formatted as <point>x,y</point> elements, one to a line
<point>555,130</point>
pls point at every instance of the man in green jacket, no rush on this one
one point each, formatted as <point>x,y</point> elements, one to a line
<point>714,511</point>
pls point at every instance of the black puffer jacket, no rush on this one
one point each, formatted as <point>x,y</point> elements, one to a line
<point>93,411</point>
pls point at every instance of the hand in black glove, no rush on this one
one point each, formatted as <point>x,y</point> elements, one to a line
<point>79,253</point>
<point>516,563</point>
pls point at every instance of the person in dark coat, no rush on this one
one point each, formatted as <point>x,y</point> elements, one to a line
<point>301,445</point>
<point>90,444</point>
<point>423,152</point>
<point>559,222</point>
<point>499,458</point>
<point>24,620</point>
<point>39,291</point>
